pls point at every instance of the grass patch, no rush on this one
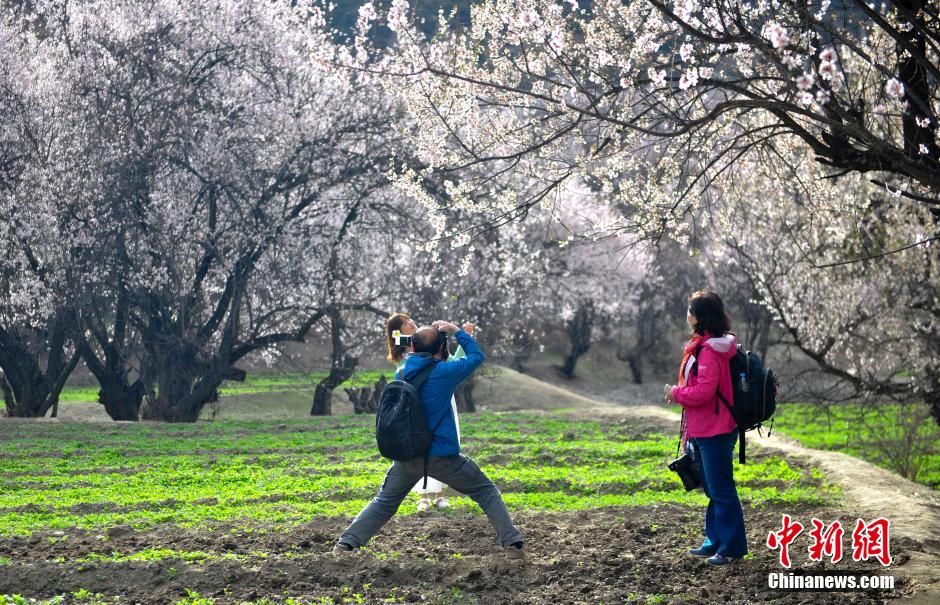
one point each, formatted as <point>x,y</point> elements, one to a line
<point>901,438</point>
<point>62,475</point>
<point>254,383</point>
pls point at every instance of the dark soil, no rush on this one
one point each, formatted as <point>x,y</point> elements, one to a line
<point>610,555</point>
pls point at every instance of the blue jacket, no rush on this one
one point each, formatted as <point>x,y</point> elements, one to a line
<point>439,388</point>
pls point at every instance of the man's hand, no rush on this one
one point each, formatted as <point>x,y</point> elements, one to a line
<point>445,326</point>
<point>468,328</point>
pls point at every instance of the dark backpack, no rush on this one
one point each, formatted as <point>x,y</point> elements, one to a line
<point>755,393</point>
<point>401,426</point>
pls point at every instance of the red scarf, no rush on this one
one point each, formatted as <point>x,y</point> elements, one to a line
<point>690,347</point>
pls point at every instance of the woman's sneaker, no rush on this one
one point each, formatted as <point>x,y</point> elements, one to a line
<point>719,560</point>
<point>702,552</point>
<point>423,505</point>
<point>442,502</point>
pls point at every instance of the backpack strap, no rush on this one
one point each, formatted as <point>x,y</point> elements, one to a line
<point>722,399</point>
<point>422,376</point>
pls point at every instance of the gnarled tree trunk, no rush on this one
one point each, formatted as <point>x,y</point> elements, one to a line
<point>341,368</point>
<point>323,395</point>
<point>464,395</point>
<point>121,400</point>
<point>365,400</point>
<point>30,387</point>
<point>579,330</point>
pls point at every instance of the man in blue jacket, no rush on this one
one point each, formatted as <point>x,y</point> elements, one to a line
<point>445,462</point>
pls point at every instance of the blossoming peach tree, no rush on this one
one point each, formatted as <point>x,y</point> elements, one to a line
<point>871,324</point>
<point>811,125</point>
<point>186,179</point>
<point>601,89</point>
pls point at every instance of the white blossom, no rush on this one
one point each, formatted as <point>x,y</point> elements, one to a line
<point>657,77</point>
<point>894,88</point>
<point>689,79</point>
<point>777,35</point>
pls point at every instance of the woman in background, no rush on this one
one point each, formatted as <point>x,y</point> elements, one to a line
<point>709,430</point>
<point>405,326</point>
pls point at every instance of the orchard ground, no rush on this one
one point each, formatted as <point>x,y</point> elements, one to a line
<point>246,508</point>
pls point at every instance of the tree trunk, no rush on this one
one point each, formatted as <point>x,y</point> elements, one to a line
<point>36,365</point>
<point>464,395</point>
<point>521,355</point>
<point>763,340</point>
<point>122,401</point>
<point>106,351</point>
<point>365,400</point>
<point>341,368</point>
<point>174,366</point>
<point>579,330</point>
<point>180,396</point>
<point>636,366</point>
<point>323,395</point>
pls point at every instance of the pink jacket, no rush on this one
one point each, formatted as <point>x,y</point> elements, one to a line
<point>700,393</point>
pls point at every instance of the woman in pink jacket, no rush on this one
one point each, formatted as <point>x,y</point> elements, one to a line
<point>709,431</point>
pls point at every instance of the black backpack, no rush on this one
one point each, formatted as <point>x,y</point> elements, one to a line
<point>401,426</point>
<point>755,393</point>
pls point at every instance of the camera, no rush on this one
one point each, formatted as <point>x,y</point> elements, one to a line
<point>401,340</point>
<point>689,467</point>
<point>688,471</point>
<point>443,345</point>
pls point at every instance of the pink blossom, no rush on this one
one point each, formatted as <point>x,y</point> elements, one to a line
<point>827,69</point>
<point>894,88</point>
<point>827,55</point>
<point>823,96</point>
<point>777,35</point>
<point>528,18</point>
<point>805,82</point>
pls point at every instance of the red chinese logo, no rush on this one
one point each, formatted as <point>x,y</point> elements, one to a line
<point>827,542</point>
<point>869,540</point>
<point>783,538</point>
<point>872,540</point>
